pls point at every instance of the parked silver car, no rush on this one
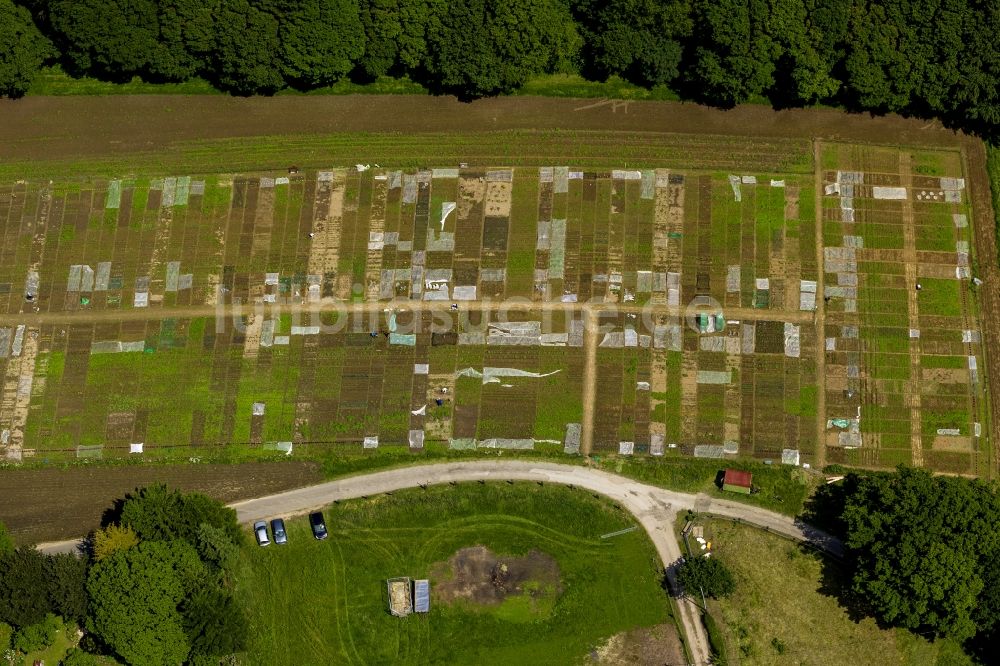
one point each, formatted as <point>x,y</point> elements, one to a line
<point>260,531</point>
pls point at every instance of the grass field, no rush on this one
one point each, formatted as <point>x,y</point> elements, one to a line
<point>324,601</point>
<point>784,611</point>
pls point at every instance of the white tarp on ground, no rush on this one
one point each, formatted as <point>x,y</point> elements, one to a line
<point>286,447</point>
<point>571,443</point>
<point>116,347</point>
<point>807,294</point>
<point>464,293</point>
<point>790,456</point>
<point>16,345</point>
<point>135,447</point>
<point>715,376</point>
<point>791,340</point>
<point>733,280</point>
<point>734,182</point>
<point>626,448</point>
<point>514,333</point>
<point>446,209</point>
<point>889,192</point>
<point>416,439</point>
<point>103,277</point>
<point>504,443</point>
<point>709,451</point>
<point>371,442</point>
<point>267,332</point>
<point>493,375</point>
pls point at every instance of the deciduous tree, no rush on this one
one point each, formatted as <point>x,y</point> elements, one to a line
<point>135,597</point>
<point>920,546</point>
<point>708,575</point>
<point>23,49</point>
<point>24,598</point>
<point>320,40</point>
<point>215,624</point>
<point>247,54</point>
<point>482,47</point>
<point>111,539</point>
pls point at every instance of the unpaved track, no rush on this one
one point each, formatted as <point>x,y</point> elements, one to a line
<point>330,305</point>
<point>655,509</point>
<point>820,310</point>
<point>985,248</point>
<point>590,329</point>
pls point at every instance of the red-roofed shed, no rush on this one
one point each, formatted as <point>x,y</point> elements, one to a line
<point>737,481</point>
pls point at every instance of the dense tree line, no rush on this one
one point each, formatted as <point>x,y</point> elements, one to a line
<point>152,588</point>
<point>923,551</point>
<point>928,57</point>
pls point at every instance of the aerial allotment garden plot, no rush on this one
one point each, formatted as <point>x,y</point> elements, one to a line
<point>798,317</point>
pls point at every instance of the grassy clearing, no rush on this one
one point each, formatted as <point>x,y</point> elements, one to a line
<point>324,602</point>
<point>779,615</point>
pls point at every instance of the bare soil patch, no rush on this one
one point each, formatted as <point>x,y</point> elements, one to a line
<point>648,646</point>
<point>66,127</point>
<point>479,576</point>
<point>49,504</point>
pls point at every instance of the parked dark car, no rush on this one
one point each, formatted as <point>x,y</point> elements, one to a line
<point>260,532</point>
<point>278,529</point>
<point>318,525</point>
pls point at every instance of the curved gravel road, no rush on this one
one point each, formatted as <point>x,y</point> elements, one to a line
<point>655,509</point>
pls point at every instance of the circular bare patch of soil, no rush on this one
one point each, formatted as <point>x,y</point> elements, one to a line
<point>479,576</point>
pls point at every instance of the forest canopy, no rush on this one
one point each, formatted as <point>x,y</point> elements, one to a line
<point>925,57</point>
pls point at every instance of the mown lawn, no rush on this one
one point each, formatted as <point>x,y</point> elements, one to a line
<point>785,611</point>
<point>324,602</point>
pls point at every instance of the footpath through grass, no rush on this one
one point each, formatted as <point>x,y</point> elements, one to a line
<point>786,609</point>
<point>325,601</point>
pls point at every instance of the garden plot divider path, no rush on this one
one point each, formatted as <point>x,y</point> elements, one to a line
<point>655,509</point>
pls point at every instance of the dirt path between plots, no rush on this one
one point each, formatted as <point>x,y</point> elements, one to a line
<point>654,508</point>
<point>590,330</point>
<point>984,227</point>
<point>912,396</point>
<point>820,311</point>
<point>89,127</point>
<point>330,305</point>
